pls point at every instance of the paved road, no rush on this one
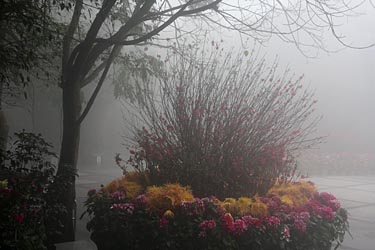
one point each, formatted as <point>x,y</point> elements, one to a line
<point>357,194</point>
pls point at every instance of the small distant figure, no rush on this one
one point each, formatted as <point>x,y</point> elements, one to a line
<point>98,160</point>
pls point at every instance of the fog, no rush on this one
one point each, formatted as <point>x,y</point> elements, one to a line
<point>343,81</point>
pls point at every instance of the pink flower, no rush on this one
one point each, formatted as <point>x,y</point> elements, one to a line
<point>304,216</point>
<point>321,210</point>
<point>118,195</point>
<point>272,221</point>
<point>163,222</point>
<point>300,225</point>
<point>240,226</point>
<point>327,213</point>
<point>6,191</point>
<point>334,204</point>
<point>329,200</point>
<point>326,196</point>
<point>285,233</point>
<point>228,222</point>
<point>19,218</point>
<point>251,221</point>
<point>126,207</point>
<point>205,226</point>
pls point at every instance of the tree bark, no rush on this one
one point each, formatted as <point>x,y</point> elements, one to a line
<point>4,128</point>
<point>69,154</point>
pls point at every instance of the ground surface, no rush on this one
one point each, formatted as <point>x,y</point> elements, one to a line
<point>356,193</point>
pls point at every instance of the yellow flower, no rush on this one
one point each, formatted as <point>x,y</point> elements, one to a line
<point>244,205</point>
<point>287,200</point>
<point>4,184</point>
<point>131,189</point>
<point>230,205</point>
<point>258,208</point>
<point>294,193</point>
<point>166,197</point>
<point>168,214</point>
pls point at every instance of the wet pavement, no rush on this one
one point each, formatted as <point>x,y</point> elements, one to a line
<point>356,193</point>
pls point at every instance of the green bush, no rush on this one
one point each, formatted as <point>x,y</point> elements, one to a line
<point>29,212</point>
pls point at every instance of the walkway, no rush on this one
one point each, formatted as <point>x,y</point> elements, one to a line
<point>357,195</point>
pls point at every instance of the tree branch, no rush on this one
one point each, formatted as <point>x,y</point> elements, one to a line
<point>93,74</point>
<point>115,51</point>
<point>181,12</point>
<point>69,35</point>
<point>82,66</point>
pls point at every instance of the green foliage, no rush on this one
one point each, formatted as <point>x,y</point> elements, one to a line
<point>29,212</point>
<point>28,45</point>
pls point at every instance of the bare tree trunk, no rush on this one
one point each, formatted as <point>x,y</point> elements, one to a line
<point>4,128</point>
<point>69,154</point>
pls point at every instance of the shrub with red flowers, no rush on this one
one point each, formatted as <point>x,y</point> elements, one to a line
<point>28,214</point>
<point>123,222</point>
<point>226,127</point>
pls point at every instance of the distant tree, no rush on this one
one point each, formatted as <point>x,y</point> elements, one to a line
<point>28,31</point>
<point>99,29</point>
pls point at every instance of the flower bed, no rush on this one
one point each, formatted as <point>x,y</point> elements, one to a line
<point>290,216</point>
<point>29,210</point>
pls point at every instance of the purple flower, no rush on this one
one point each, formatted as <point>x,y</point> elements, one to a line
<point>300,225</point>
<point>205,226</point>
<point>240,226</point>
<point>326,196</point>
<point>321,210</point>
<point>329,200</point>
<point>327,213</point>
<point>272,221</point>
<point>126,207</point>
<point>163,222</point>
<point>304,216</point>
<point>19,218</point>
<point>118,195</point>
<point>228,222</point>
<point>140,201</point>
<point>251,221</point>
<point>285,233</point>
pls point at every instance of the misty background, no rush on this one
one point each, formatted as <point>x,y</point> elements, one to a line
<point>343,81</point>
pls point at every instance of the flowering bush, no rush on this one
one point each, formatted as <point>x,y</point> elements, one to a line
<point>313,221</point>
<point>226,127</point>
<point>29,214</point>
